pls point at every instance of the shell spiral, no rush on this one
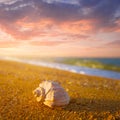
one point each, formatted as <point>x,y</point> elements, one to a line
<point>51,94</point>
<point>39,93</point>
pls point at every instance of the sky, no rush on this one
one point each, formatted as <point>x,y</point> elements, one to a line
<point>60,28</point>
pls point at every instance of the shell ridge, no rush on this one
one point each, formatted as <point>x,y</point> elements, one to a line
<point>52,94</point>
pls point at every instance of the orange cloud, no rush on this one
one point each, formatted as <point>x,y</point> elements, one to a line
<point>46,43</point>
<point>78,27</point>
<point>9,44</point>
<point>50,42</point>
<point>24,29</point>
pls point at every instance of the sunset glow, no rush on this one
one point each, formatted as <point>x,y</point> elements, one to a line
<point>83,28</point>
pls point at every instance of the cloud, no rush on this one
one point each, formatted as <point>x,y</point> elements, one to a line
<point>52,42</point>
<point>78,36</point>
<point>9,44</point>
<point>25,19</point>
<point>46,43</point>
<point>113,44</point>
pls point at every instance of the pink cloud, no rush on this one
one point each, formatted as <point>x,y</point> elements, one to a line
<point>28,18</point>
<point>50,43</point>
<point>114,44</point>
<point>24,30</point>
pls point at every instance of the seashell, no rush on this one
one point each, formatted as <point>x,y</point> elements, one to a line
<point>51,94</point>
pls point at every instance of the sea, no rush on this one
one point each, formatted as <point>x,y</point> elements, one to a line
<point>75,69</point>
<point>111,61</point>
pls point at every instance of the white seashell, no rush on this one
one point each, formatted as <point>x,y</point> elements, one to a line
<point>51,94</point>
<point>39,93</point>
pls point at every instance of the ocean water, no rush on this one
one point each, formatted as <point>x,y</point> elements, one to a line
<point>71,68</point>
<point>108,61</point>
<point>111,61</point>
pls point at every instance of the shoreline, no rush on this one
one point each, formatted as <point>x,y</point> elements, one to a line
<point>70,68</point>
